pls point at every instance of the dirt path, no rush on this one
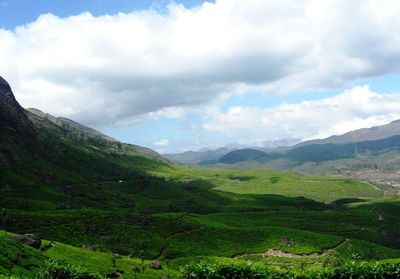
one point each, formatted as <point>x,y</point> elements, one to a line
<point>166,240</point>
<point>371,184</point>
<point>279,253</point>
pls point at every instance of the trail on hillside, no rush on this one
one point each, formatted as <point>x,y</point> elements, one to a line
<point>166,239</point>
<point>281,254</point>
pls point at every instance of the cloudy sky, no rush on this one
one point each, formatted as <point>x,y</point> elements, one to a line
<point>191,74</point>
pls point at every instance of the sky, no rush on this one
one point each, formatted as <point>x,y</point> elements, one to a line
<point>190,74</point>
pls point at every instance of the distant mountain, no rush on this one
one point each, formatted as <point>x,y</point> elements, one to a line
<point>211,156</point>
<point>244,155</point>
<point>365,134</point>
<point>197,157</point>
<point>374,151</point>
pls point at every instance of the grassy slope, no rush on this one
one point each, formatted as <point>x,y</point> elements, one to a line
<point>17,259</point>
<point>263,181</point>
<point>22,261</point>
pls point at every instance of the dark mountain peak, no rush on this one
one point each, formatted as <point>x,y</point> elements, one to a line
<point>4,86</point>
<point>13,120</point>
<point>6,94</point>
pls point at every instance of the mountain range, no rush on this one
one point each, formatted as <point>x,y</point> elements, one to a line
<point>208,155</point>
<point>374,149</point>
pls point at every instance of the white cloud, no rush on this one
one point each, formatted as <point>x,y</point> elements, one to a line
<point>161,142</point>
<point>115,69</point>
<point>350,110</point>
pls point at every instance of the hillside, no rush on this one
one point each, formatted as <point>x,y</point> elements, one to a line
<point>36,147</point>
<point>75,132</point>
<point>243,155</point>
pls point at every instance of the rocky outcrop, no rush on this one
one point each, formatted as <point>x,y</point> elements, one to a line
<point>29,239</point>
<point>155,264</point>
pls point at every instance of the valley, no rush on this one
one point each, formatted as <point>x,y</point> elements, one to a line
<point>105,209</point>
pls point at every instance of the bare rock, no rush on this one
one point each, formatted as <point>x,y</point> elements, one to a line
<point>29,239</point>
<point>155,264</point>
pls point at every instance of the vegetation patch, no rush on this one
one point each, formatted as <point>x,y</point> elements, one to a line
<point>246,271</point>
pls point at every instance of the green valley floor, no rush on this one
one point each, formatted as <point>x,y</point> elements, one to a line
<point>181,216</point>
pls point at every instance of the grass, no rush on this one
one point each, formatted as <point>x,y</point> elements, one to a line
<point>264,181</point>
<point>22,261</point>
<point>250,271</point>
<point>18,260</point>
<point>231,242</point>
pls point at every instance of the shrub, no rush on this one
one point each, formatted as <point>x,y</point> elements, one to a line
<point>201,271</point>
<point>346,271</point>
<point>55,270</point>
<point>365,271</point>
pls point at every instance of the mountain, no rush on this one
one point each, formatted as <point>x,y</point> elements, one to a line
<point>209,156</point>
<point>17,132</point>
<point>365,134</point>
<point>14,122</point>
<point>242,155</point>
<point>314,152</point>
<point>36,146</point>
<point>197,157</point>
<point>376,149</point>
<point>73,131</point>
